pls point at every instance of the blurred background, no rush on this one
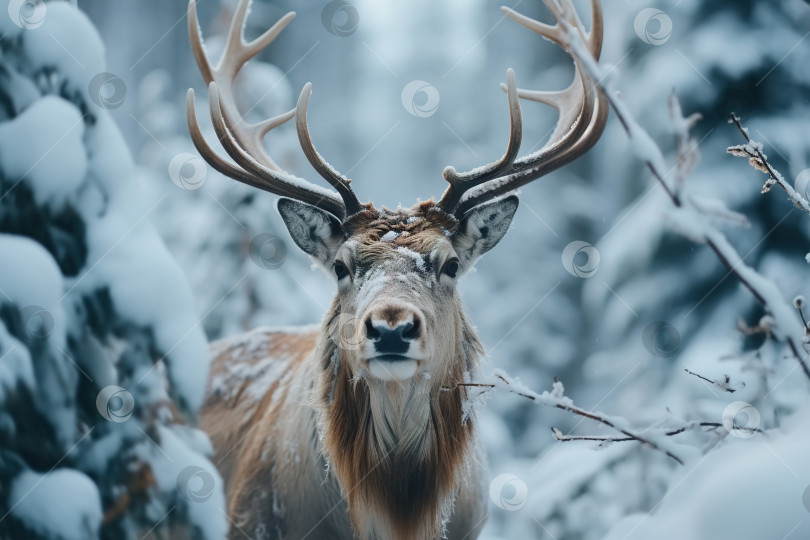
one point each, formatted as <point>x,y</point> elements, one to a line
<point>402,89</point>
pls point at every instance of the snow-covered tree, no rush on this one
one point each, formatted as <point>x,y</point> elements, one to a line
<point>103,361</point>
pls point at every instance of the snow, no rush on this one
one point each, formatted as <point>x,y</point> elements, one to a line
<point>416,257</point>
<point>747,489</point>
<point>716,208</point>
<point>52,129</point>
<point>30,277</point>
<point>177,468</point>
<point>15,367</point>
<point>113,169</point>
<point>146,286</point>
<point>787,324</point>
<point>68,41</point>
<point>373,285</point>
<point>390,236</point>
<point>62,504</point>
<point>260,375</point>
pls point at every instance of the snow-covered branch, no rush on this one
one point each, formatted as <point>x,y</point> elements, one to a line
<point>723,383</point>
<point>753,150</point>
<point>556,398</point>
<point>689,217</point>
<point>691,426</point>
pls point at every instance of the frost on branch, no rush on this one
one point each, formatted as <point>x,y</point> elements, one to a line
<point>693,221</point>
<point>102,359</point>
<point>753,150</point>
<point>556,398</point>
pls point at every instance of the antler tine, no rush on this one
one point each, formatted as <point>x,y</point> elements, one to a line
<point>581,106</point>
<point>243,141</point>
<point>270,181</point>
<point>321,166</point>
<point>234,56</point>
<point>208,153</point>
<point>197,48</point>
<point>461,182</point>
<point>559,155</point>
<point>236,48</point>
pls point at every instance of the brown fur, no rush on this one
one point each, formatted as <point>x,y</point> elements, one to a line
<point>406,484</point>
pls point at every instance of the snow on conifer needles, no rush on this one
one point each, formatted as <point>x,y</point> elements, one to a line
<point>92,303</point>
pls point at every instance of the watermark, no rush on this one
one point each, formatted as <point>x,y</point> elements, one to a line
<point>741,419</point>
<point>107,90</point>
<point>508,492</point>
<point>420,99</point>
<point>661,339</point>
<point>348,332</point>
<point>195,484</point>
<point>37,322</point>
<point>653,26</point>
<point>573,255</point>
<point>115,404</point>
<point>27,14</point>
<point>806,498</point>
<point>267,251</point>
<point>188,171</point>
<point>340,18</point>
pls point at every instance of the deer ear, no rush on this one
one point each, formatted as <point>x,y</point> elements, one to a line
<point>317,232</point>
<point>482,227</point>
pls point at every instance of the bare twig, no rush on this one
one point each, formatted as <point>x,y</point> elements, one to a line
<point>722,384</point>
<point>565,404</point>
<point>799,303</point>
<point>687,159</point>
<point>565,438</point>
<point>758,160</point>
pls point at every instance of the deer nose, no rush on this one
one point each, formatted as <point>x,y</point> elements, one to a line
<point>390,339</point>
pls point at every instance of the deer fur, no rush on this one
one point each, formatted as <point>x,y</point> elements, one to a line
<point>311,444</point>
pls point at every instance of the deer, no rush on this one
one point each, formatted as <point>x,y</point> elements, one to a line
<point>357,428</point>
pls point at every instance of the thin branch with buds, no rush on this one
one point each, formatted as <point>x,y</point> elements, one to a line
<point>753,151</point>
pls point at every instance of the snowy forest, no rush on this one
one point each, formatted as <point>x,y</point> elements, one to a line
<point>647,364</point>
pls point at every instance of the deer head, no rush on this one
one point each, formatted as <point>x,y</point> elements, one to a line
<point>396,270</point>
<point>396,328</point>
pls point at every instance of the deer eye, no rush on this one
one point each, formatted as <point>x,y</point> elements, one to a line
<point>340,270</point>
<point>451,267</point>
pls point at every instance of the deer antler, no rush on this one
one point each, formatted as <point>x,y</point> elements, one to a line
<point>582,111</point>
<point>243,141</point>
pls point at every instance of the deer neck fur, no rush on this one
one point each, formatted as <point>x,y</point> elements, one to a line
<point>400,449</point>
